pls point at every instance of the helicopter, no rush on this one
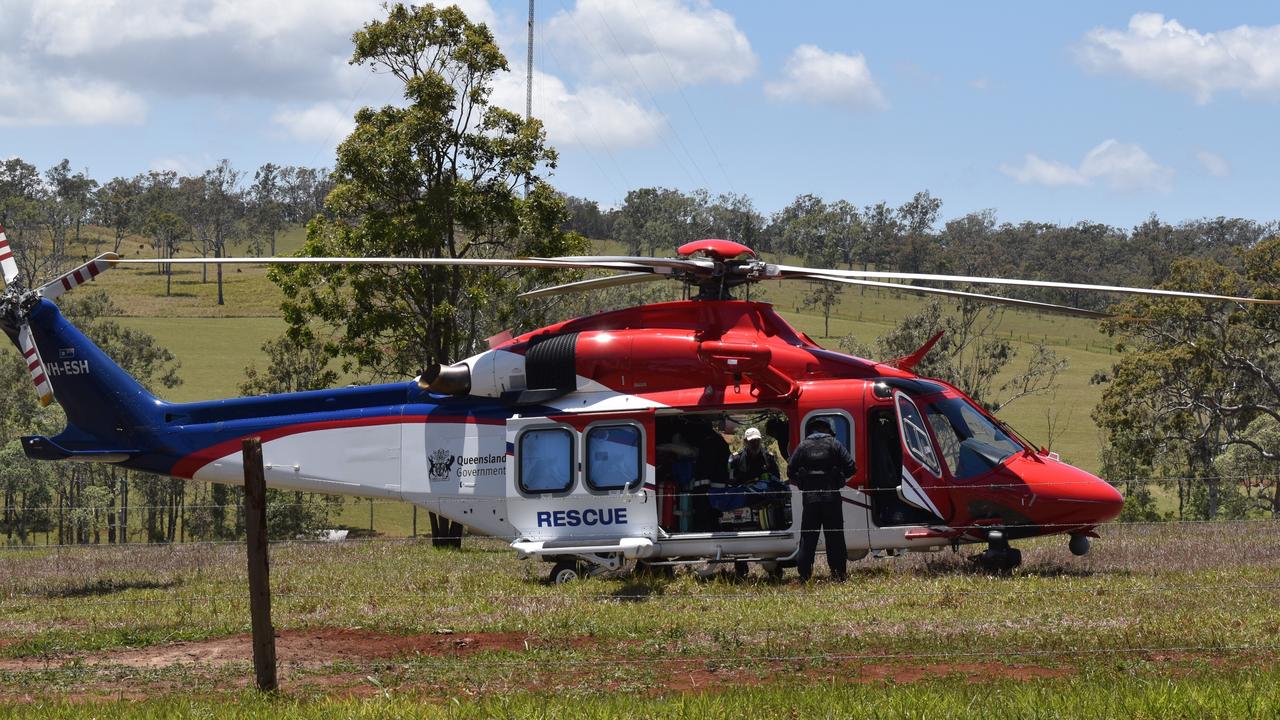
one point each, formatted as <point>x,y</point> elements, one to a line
<point>591,443</point>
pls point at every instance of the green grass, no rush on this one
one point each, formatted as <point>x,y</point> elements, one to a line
<point>1243,694</point>
<point>1158,620</point>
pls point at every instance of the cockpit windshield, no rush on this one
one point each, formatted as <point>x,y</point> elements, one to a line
<point>970,443</point>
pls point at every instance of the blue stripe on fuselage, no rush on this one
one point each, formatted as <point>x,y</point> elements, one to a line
<point>190,428</point>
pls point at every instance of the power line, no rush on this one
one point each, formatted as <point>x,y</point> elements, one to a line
<point>600,57</point>
<point>680,89</point>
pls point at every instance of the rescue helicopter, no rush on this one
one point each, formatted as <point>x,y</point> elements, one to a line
<point>589,443</point>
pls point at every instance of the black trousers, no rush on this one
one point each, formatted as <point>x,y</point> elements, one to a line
<point>827,516</point>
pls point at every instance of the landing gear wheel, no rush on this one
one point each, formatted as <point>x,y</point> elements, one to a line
<point>567,571</point>
<point>999,561</point>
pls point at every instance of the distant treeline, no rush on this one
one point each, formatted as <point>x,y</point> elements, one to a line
<point>910,238</point>
<point>202,214</point>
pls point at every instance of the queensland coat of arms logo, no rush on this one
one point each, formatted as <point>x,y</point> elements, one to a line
<point>441,462</point>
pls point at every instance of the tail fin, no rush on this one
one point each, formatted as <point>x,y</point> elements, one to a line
<point>107,409</point>
<point>909,362</point>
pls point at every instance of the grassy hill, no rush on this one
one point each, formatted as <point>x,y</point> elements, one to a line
<point>215,343</point>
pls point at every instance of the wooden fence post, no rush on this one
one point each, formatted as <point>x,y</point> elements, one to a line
<point>255,513</point>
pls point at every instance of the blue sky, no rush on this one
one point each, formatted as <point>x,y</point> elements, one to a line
<point>1102,111</point>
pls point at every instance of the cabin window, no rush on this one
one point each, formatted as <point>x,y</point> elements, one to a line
<point>614,458</point>
<point>916,437</point>
<point>546,460</point>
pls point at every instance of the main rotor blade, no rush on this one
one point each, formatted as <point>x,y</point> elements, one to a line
<point>594,284</point>
<point>924,290</point>
<point>35,365</point>
<point>446,262</point>
<point>969,279</point>
<point>81,275</point>
<point>653,262</point>
<point>8,265</point>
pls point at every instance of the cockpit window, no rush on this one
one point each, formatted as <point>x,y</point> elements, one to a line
<point>970,443</point>
<point>915,437</point>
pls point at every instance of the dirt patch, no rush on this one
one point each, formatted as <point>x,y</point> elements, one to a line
<point>300,648</point>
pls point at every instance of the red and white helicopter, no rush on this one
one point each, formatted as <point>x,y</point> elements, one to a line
<point>586,442</point>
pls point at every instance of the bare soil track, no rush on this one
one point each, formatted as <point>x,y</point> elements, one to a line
<point>294,648</point>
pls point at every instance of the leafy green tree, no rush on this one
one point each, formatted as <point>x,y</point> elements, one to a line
<point>1194,378</point>
<point>655,220</point>
<point>266,209</point>
<point>439,176</point>
<point>117,207</point>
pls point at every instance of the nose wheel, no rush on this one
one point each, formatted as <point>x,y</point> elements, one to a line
<point>998,557</point>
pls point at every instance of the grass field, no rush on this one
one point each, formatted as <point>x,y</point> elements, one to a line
<point>1173,620</point>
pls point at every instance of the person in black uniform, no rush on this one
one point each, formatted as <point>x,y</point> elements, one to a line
<point>820,466</point>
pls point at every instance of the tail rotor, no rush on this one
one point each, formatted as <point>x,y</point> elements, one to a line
<point>16,305</point>
<point>8,265</point>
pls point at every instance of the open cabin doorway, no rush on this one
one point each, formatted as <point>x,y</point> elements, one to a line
<point>696,489</point>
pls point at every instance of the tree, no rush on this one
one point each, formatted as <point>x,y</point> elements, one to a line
<point>917,217</point>
<point>118,204</point>
<point>215,207</point>
<point>654,219</point>
<point>73,194</point>
<point>1195,378</point>
<point>437,177</point>
<point>808,227</point>
<point>266,207</point>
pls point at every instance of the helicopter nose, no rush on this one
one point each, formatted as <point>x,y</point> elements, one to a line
<point>1063,496</point>
<point>1082,498</point>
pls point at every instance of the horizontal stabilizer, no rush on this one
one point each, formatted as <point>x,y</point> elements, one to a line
<point>39,447</point>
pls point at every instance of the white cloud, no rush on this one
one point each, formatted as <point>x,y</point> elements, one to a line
<point>31,98</point>
<point>1038,171</point>
<point>321,123</point>
<point>590,116</point>
<point>284,50</point>
<point>96,59</point>
<point>1121,166</point>
<point>1213,163</point>
<point>1244,59</point>
<point>817,76</point>
<point>656,43</point>
<point>1124,166</point>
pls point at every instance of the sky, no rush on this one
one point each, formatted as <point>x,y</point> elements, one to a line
<point>1098,111</point>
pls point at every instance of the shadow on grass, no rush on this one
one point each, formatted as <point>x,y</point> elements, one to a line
<point>108,587</point>
<point>638,590</point>
<point>969,566</point>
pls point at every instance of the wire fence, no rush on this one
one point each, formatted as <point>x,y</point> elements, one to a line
<point>60,526</point>
<point>938,533</point>
<point>1252,480</point>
